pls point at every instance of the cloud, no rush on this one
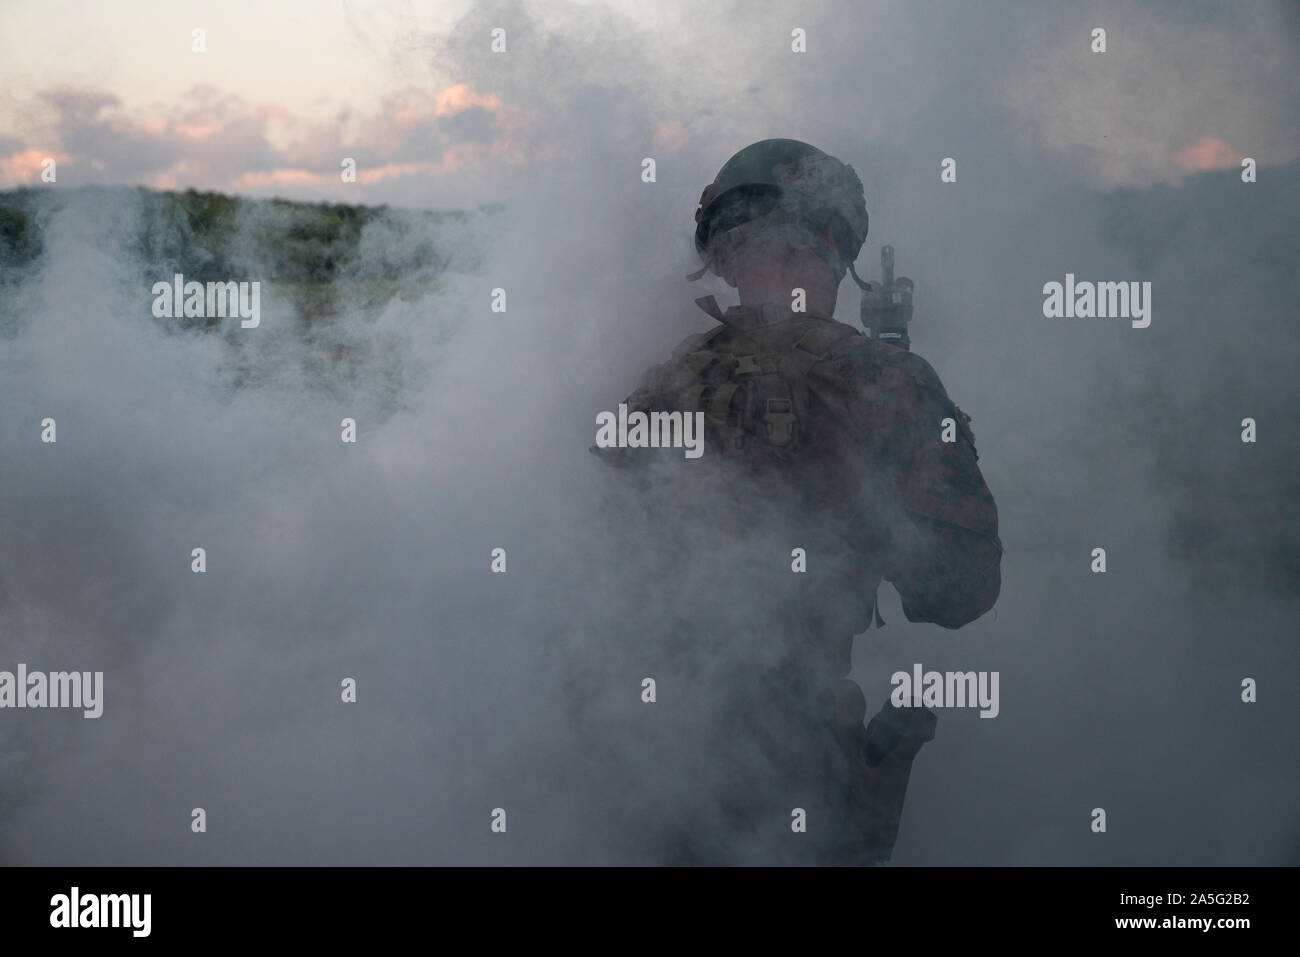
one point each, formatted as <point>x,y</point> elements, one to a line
<point>670,136</point>
<point>1206,154</point>
<point>79,106</point>
<point>250,182</point>
<point>24,166</point>
<point>210,139</point>
<point>459,97</point>
<point>1231,70</point>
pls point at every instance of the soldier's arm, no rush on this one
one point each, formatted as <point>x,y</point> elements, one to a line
<point>944,555</point>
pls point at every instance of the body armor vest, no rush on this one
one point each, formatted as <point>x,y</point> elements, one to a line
<point>749,378</point>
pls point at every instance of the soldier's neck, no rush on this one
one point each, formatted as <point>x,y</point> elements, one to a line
<point>785,305</point>
<point>819,292</point>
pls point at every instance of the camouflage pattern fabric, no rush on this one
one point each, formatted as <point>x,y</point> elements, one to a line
<point>840,437</point>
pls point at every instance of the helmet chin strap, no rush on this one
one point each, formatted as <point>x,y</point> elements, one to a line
<point>864,286</point>
<point>692,276</point>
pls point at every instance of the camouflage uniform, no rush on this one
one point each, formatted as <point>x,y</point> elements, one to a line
<point>835,438</point>
<point>816,437</point>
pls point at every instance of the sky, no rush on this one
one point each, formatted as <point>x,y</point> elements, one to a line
<point>1119,690</point>
<point>283,91</point>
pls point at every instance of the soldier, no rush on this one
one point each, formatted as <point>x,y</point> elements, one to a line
<point>823,449</point>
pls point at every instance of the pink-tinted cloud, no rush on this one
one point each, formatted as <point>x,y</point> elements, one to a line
<point>278,177</point>
<point>375,174</point>
<point>459,97</point>
<point>213,140</point>
<point>24,167</point>
<point>1207,154</point>
<point>670,136</point>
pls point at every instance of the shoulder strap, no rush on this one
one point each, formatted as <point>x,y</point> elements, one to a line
<point>710,305</point>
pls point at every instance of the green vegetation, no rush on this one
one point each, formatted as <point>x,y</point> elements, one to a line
<point>318,252</point>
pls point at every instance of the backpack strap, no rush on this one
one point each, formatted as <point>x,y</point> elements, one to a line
<point>720,404</point>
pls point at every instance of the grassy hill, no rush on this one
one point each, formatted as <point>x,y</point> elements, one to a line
<point>307,250</point>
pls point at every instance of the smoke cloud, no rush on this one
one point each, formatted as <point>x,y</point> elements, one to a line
<point>327,560</point>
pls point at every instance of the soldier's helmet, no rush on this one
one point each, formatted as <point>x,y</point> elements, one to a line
<point>784,183</point>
